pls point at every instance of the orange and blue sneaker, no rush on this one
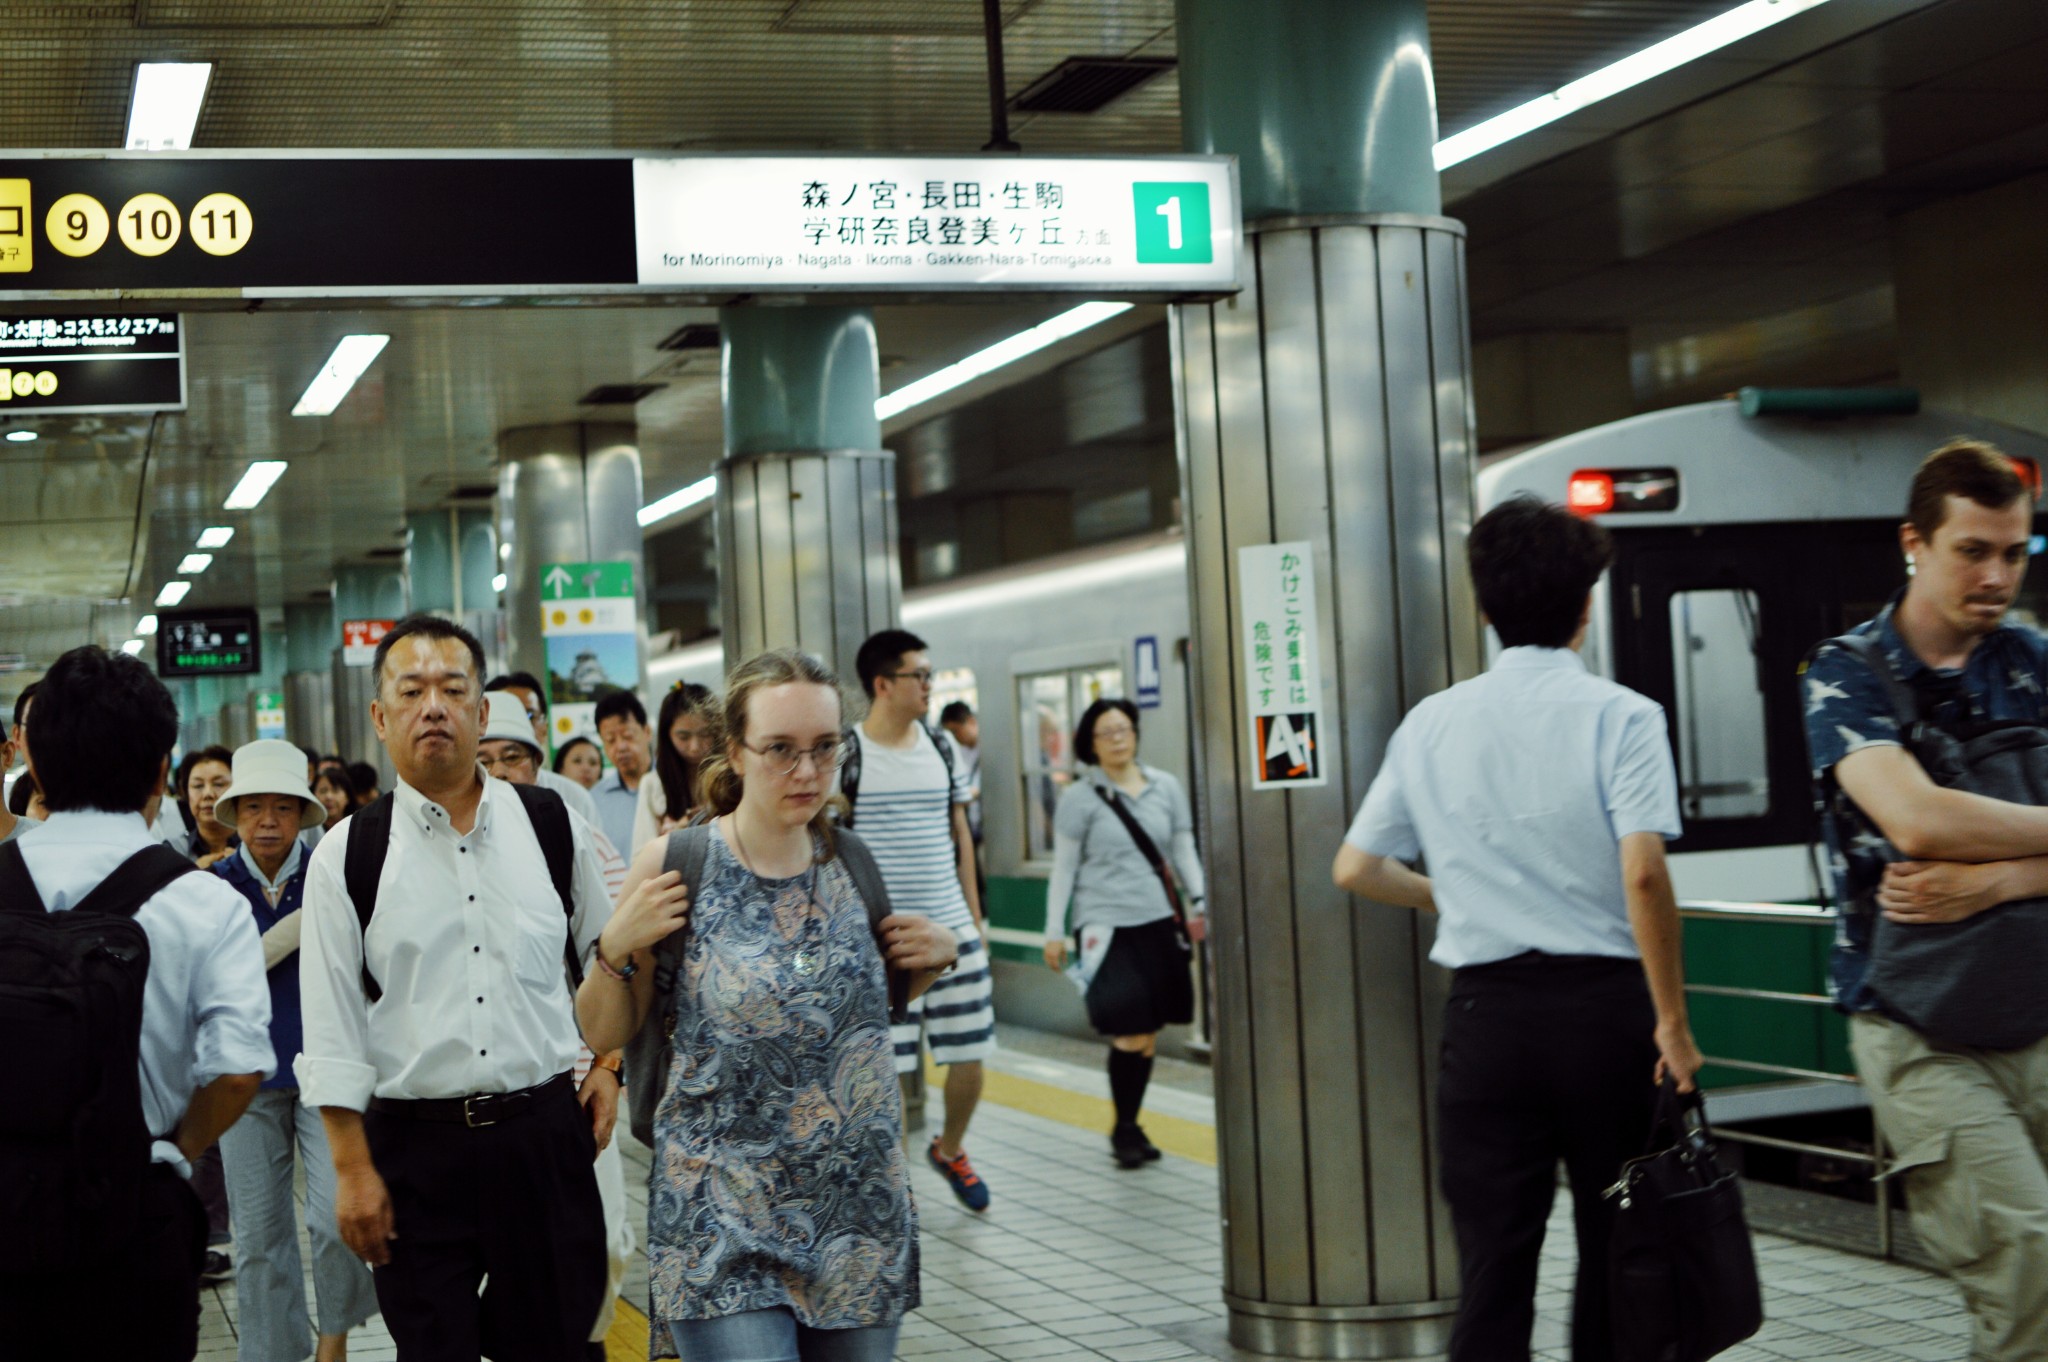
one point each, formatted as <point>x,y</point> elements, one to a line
<point>960,1175</point>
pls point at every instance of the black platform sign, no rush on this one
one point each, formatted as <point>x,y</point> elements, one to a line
<point>51,364</point>
<point>208,642</point>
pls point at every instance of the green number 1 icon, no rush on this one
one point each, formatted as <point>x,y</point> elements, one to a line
<point>1173,222</point>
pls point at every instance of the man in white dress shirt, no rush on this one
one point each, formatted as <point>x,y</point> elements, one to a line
<point>103,729</point>
<point>1539,795</point>
<point>439,1041</point>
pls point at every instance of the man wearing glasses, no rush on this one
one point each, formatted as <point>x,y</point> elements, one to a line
<point>521,686</point>
<point>910,807</point>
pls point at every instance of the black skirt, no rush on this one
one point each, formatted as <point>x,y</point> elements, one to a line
<point>1144,982</point>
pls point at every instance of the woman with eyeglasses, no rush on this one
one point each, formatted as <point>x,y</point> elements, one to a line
<point>686,730</point>
<point>1125,871</point>
<point>780,1220</point>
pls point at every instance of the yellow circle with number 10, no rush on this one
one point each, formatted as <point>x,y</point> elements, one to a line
<point>77,224</point>
<point>148,224</point>
<point>221,224</point>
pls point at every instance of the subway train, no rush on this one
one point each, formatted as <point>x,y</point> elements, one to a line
<point>1741,540</point>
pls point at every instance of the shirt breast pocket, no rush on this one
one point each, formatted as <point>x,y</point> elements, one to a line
<point>538,955</point>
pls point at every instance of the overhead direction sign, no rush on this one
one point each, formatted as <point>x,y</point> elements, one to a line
<point>58,364</point>
<point>379,224</point>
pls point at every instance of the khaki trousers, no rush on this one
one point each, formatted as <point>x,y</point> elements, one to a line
<point>1969,1135</point>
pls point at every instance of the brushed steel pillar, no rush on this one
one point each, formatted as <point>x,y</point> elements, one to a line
<point>566,494</point>
<point>807,552</point>
<point>1328,403</point>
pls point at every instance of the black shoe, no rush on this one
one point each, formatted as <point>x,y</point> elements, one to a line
<point>1128,1145</point>
<point>1151,1150</point>
<point>215,1268</point>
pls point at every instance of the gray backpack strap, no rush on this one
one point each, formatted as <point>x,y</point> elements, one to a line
<point>647,1053</point>
<point>867,878</point>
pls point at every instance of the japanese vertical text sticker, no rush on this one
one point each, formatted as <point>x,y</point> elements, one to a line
<point>1282,664</point>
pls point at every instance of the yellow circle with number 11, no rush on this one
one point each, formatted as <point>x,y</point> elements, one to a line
<point>77,224</point>
<point>148,224</point>
<point>221,224</point>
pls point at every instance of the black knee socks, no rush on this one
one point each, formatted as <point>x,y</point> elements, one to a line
<point>1128,1075</point>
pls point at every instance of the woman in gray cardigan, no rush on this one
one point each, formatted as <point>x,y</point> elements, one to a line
<point>1127,877</point>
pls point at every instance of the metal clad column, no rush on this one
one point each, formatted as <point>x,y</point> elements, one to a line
<point>806,502</point>
<point>1328,403</point>
<point>566,494</point>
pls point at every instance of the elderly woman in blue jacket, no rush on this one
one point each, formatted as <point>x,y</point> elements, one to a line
<point>268,803</point>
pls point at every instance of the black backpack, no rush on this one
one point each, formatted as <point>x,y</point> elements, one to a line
<point>72,1157</point>
<point>849,772</point>
<point>369,842</point>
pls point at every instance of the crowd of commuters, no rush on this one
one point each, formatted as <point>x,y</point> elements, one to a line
<point>757,912</point>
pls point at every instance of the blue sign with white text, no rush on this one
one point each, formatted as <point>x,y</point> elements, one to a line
<point>1146,690</point>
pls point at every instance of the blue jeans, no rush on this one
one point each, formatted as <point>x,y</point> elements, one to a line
<point>776,1336</point>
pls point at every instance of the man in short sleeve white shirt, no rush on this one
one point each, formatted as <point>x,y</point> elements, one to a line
<point>1539,797</point>
<point>461,1149</point>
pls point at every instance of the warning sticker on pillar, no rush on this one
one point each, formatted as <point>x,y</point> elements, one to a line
<point>593,641</point>
<point>1282,664</point>
<point>359,640</point>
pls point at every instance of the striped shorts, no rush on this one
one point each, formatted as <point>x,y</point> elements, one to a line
<point>957,1014</point>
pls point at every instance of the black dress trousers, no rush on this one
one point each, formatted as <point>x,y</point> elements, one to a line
<point>516,1202</point>
<point>1545,1058</point>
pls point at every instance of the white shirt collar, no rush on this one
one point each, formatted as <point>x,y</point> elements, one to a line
<point>1547,659</point>
<point>284,872</point>
<point>423,813</point>
<point>95,825</point>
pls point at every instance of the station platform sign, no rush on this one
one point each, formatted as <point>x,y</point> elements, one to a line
<point>367,225</point>
<point>52,365</point>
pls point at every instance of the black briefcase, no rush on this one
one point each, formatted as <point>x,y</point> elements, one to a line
<point>1681,1270</point>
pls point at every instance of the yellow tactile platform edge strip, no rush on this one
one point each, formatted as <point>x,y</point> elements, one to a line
<point>1174,1134</point>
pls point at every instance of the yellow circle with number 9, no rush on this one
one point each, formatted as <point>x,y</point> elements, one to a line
<point>221,224</point>
<point>77,224</point>
<point>149,224</point>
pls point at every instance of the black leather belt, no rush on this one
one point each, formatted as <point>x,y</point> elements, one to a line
<point>479,1109</point>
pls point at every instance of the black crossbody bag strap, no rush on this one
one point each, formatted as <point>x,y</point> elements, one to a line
<point>369,842</point>
<point>550,818</point>
<point>1903,701</point>
<point>1148,849</point>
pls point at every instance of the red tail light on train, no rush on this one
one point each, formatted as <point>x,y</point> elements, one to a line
<point>1597,491</point>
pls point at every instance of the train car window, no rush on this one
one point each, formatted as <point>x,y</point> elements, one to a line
<point>1719,717</point>
<point>1048,706</point>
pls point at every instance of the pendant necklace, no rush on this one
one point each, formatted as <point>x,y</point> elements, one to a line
<point>806,959</point>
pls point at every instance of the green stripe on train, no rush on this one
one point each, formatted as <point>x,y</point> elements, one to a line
<point>1017,904</point>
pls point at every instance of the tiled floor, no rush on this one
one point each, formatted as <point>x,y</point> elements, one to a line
<point>1076,1260</point>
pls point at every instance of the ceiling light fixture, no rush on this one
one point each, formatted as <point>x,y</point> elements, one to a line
<point>146,625</point>
<point>500,582</point>
<point>675,503</point>
<point>172,593</point>
<point>21,437</point>
<point>1027,342</point>
<point>163,104</point>
<point>195,563</point>
<point>216,536</point>
<point>351,357</point>
<point>255,483</point>
<point>1698,41</point>
<point>133,647</point>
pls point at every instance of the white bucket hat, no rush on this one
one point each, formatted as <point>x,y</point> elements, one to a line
<point>270,766</point>
<point>505,719</point>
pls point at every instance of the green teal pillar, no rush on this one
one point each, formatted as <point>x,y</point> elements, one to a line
<point>805,508</point>
<point>476,559</point>
<point>430,561</point>
<point>366,592</point>
<point>1328,105</point>
<point>799,378</point>
<point>310,636</point>
<point>1326,408</point>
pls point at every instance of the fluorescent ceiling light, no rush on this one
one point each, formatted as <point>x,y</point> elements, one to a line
<point>1698,41</point>
<point>1068,323</point>
<point>163,106</point>
<point>21,437</point>
<point>255,483</point>
<point>133,647</point>
<point>353,355</point>
<point>172,593</point>
<point>146,625</point>
<point>195,563</point>
<point>675,503</point>
<point>499,582</point>
<point>216,536</point>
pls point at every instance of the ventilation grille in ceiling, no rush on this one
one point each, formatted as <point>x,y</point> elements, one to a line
<point>1085,84</point>
<point>248,14</point>
<point>695,336</point>
<point>618,394</point>
<point>898,18</point>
